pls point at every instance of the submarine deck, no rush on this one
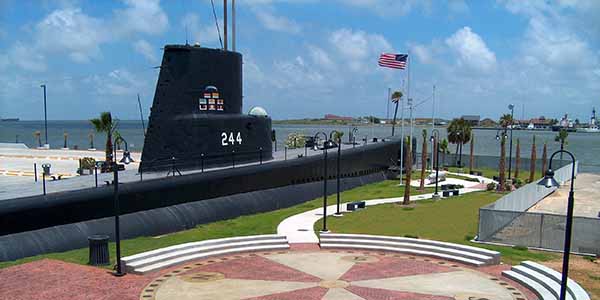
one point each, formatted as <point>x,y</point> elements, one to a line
<point>19,186</point>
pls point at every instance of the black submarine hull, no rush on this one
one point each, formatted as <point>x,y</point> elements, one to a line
<point>38,212</point>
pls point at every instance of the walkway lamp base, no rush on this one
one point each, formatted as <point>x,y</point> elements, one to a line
<point>337,215</point>
<point>324,231</point>
<point>436,197</point>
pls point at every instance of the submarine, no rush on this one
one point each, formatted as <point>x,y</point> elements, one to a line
<point>196,120</point>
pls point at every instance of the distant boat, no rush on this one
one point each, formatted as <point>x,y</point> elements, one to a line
<point>593,127</point>
<point>9,120</point>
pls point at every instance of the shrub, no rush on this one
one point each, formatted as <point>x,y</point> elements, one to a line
<point>520,248</point>
<point>408,208</point>
<point>491,186</point>
<point>517,183</point>
<point>411,236</point>
<point>472,179</point>
<point>88,163</point>
<point>469,238</point>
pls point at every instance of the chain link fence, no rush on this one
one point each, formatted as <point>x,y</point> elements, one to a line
<point>507,221</point>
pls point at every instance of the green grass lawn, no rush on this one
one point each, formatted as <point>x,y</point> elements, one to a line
<point>491,172</point>
<point>263,223</point>
<point>453,220</point>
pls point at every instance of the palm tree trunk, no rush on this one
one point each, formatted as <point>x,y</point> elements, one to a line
<point>544,160</point>
<point>502,165</point>
<point>108,151</point>
<point>408,165</point>
<point>517,159</point>
<point>471,162</point>
<point>423,164</point>
<point>532,165</point>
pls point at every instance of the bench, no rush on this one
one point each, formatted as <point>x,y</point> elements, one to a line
<point>448,193</point>
<point>352,206</point>
<point>56,177</point>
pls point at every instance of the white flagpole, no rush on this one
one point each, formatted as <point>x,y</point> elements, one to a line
<point>402,135</point>
<point>432,127</point>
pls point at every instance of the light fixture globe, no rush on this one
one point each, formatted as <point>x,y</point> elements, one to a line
<point>548,180</point>
<point>126,158</point>
<point>258,111</point>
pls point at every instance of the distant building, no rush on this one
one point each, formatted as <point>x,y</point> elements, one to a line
<point>487,122</point>
<point>337,118</point>
<point>472,119</point>
<point>540,123</point>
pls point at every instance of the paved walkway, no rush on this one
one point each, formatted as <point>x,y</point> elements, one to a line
<point>299,228</point>
<point>282,275</point>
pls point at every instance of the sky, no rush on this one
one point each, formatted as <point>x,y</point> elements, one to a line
<point>307,58</point>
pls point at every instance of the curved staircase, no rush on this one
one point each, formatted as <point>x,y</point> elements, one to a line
<point>165,257</point>
<point>454,252</point>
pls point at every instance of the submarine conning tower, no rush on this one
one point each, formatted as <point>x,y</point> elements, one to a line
<point>196,117</point>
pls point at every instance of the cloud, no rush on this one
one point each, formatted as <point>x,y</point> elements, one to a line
<point>71,31</point>
<point>119,82</point>
<point>267,17</point>
<point>201,33</point>
<point>358,48</point>
<point>389,7</point>
<point>472,50</point>
<point>145,49</point>
<point>26,58</point>
<point>320,57</point>
<point>458,6</point>
<point>144,16</point>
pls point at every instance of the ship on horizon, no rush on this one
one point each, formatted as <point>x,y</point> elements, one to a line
<point>9,119</point>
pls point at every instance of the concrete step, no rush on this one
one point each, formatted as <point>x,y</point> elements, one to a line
<point>407,245</point>
<point>550,285</point>
<point>494,254</point>
<point>460,259</point>
<point>534,286</point>
<point>169,256</point>
<point>183,259</point>
<point>573,288</point>
<point>184,246</point>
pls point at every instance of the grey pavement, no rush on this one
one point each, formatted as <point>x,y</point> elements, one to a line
<point>23,159</point>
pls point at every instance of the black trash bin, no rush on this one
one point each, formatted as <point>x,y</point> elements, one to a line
<point>98,250</point>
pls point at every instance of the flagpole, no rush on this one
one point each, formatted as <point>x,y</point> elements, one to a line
<point>401,136</point>
<point>432,127</point>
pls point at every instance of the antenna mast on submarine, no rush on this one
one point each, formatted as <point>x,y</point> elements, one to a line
<point>225,24</point>
<point>233,25</point>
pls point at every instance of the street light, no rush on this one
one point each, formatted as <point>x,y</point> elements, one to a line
<point>435,136</point>
<point>512,111</point>
<point>115,166</point>
<point>549,182</point>
<point>327,144</point>
<point>338,139</point>
<point>43,86</point>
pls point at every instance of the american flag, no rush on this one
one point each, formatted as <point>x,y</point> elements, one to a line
<point>395,61</point>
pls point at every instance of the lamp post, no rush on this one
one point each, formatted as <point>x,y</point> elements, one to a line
<point>549,182</point>
<point>512,112</point>
<point>327,144</point>
<point>338,140</point>
<point>43,86</point>
<point>435,137</point>
<point>115,166</point>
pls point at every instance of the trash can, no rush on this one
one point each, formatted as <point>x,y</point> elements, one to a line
<point>98,250</point>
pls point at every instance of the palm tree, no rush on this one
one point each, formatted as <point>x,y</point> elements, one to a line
<point>544,160</point>
<point>506,120</point>
<point>396,95</point>
<point>459,133</point>
<point>562,138</point>
<point>37,134</point>
<point>471,160</point>
<point>443,145</point>
<point>406,200</point>
<point>533,158</point>
<point>91,137</point>
<point>105,124</point>
<point>423,161</point>
<point>517,159</point>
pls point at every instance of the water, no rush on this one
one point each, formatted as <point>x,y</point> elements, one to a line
<point>585,146</point>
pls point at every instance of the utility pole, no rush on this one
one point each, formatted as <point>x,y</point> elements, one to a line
<point>433,127</point>
<point>45,114</point>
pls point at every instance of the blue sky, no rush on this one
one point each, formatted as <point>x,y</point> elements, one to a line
<point>305,58</point>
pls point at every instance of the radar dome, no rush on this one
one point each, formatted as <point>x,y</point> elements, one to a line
<point>258,111</point>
